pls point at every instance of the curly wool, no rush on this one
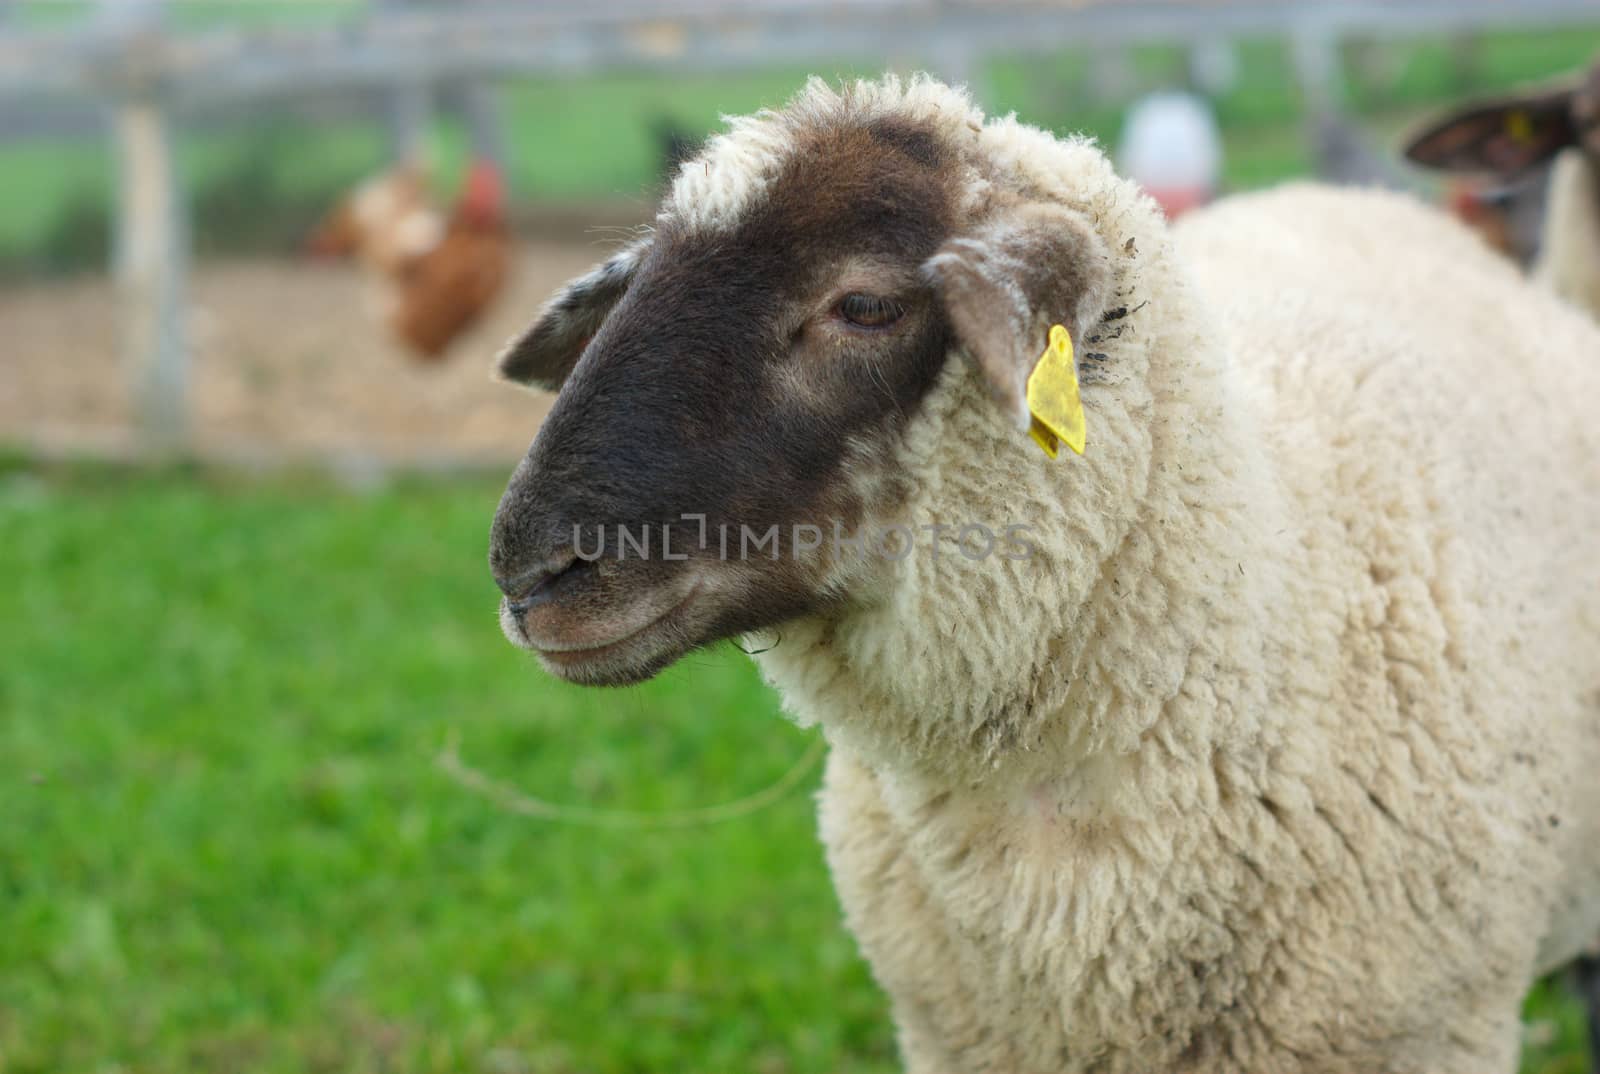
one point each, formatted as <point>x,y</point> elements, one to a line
<point>1277,755</point>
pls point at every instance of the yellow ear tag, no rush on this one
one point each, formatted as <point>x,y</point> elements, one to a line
<point>1520,127</point>
<point>1053,397</point>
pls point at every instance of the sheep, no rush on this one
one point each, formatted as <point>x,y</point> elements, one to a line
<point>1511,137</point>
<point>1260,737</point>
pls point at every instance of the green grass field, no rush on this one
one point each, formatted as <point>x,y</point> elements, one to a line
<point>227,846</point>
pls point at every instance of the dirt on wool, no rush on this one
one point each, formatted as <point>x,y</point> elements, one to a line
<point>287,363</point>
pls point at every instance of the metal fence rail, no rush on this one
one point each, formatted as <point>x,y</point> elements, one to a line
<point>208,68</point>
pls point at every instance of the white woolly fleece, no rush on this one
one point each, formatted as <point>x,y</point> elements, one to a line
<point>1569,243</point>
<point>1279,754</point>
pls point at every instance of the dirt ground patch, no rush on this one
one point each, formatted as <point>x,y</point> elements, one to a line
<point>288,363</point>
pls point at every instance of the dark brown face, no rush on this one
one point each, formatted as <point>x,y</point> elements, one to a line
<point>733,392</point>
<point>730,376</point>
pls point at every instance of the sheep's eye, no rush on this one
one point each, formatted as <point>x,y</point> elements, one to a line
<point>868,311</point>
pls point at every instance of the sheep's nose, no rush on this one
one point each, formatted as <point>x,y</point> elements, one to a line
<point>543,583</point>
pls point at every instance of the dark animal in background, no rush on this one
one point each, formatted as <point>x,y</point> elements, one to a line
<point>674,144</point>
<point>1345,155</point>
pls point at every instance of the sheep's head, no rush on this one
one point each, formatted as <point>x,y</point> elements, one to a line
<point>1509,137</point>
<point>734,387</point>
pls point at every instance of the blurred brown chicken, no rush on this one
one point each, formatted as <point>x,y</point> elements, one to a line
<point>382,223</point>
<point>440,292</point>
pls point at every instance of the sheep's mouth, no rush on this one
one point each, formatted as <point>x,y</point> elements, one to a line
<point>636,643</point>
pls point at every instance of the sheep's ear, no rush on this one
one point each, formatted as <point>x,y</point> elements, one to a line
<point>545,354</point>
<point>1005,282</point>
<point>1505,138</point>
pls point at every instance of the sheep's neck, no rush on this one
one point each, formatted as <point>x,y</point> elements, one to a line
<point>1090,661</point>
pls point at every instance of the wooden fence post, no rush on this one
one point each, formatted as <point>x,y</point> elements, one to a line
<point>484,119</point>
<point>151,243</point>
<point>151,252</point>
<point>410,115</point>
<point>1314,45</point>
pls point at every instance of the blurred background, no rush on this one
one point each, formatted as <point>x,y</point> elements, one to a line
<point>255,259</point>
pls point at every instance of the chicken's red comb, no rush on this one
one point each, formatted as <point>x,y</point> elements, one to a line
<point>484,193</point>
